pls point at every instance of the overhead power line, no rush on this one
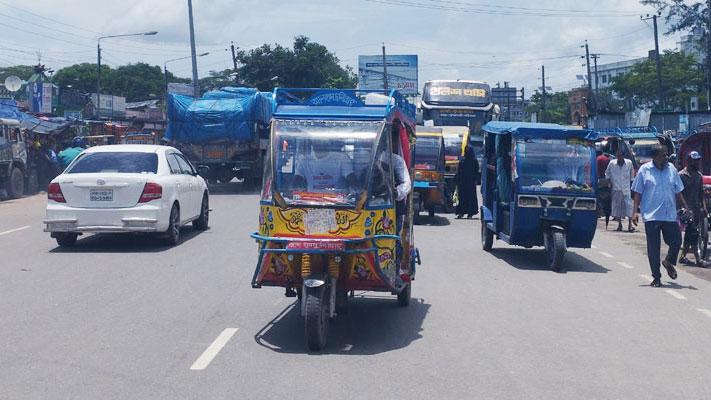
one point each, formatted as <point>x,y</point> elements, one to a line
<point>453,6</point>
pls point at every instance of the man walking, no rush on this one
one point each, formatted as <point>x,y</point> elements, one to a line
<point>694,196</point>
<point>657,189</point>
<point>620,174</point>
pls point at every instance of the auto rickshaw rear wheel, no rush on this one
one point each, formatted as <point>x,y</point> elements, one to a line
<point>403,298</point>
<point>555,249</point>
<point>316,318</point>
<point>487,237</point>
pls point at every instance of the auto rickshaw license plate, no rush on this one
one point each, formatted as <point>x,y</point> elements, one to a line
<point>320,221</point>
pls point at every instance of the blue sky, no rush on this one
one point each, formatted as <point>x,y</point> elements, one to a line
<point>494,41</point>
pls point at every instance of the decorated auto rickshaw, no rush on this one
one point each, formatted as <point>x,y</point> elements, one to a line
<point>429,171</point>
<point>539,187</point>
<point>329,219</point>
<point>700,141</point>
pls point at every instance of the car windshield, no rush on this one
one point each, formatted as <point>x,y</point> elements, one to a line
<point>452,146</point>
<point>554,165</point>
<point>323,162</point>
<point>643,149</point>
<point>427,152</point>
<point>117,162</point>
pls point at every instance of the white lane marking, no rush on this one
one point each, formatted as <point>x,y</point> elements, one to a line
<point>646,277</point>
<point>22,228</point>
<point>608,255</point>
<point>211,351</point>
<point>676,294</point>
<point>704,311</point>
<point>624,264</point>
<point>592,246</point>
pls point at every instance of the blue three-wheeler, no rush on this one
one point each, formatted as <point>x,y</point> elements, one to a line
<point>539,187</point>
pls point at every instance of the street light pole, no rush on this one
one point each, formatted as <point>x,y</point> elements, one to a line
<point>98,64</point>
<point>196,88</point>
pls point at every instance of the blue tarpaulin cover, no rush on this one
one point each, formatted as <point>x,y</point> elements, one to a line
<point>9,109</point>
<point>226,114</point>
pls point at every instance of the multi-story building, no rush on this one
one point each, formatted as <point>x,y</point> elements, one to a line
<point>691,44</point>
<point>606,72</point>
<point>513,108</point>
<point>577,101</point>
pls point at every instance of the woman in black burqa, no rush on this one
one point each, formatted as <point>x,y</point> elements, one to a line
<point>466,178</point>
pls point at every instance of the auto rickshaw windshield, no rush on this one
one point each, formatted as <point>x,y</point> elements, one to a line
<point>554,165</point>
<point>452,146</point>
<point>427,152</point>
<point>323,162</point>
<point>643,149</point>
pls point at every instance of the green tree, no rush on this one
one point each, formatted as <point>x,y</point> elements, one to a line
<point>307,64</point>
<point>682,78</point>
<point>136,82</point>
<point>217,79</point>
<point>24,72</point>
<point>682,15</point>
<point>557,108</point>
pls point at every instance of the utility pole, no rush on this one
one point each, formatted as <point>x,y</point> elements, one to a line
<point>234,59</point>
<point>543,87</point>
<point>658,60</point>
<point>508,101</point>
<point>196,84</point>
<point>98,79</point>
<point>595,57</point>
<point>659,63</point>
<point>591,95</point>
<point>385,72</point>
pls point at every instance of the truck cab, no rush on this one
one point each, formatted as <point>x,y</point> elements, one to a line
<point>14,167</point>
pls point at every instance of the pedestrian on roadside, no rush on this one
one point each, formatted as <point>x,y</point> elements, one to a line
<point>604,195</point>
<point>71,152</point>
<point>694,196</point>
<point>620,174</point>
<point>466,179</point>
<point>657,191</point>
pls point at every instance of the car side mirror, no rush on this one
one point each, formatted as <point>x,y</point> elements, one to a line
<point>203,170</point>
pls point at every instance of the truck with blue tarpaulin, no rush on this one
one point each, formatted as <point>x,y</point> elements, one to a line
<point>226,130</point>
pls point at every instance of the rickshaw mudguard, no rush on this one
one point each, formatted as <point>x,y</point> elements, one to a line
<point>394,284</point>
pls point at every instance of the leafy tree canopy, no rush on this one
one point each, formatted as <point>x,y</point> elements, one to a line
<point>682,78</point>
<point>307,64</point>
<point>24,72</point>
<point>136,82</point>
<point>681,15</point>
<point>557,108</point>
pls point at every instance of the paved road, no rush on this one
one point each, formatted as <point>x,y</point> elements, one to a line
<point>126,318</point>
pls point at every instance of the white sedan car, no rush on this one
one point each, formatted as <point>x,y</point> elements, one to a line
<point>126,188</point>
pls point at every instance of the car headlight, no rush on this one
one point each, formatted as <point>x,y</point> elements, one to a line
<point>584,204</point>
<point>529,201</point>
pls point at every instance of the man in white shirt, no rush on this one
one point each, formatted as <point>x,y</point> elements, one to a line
<point>620,173</point>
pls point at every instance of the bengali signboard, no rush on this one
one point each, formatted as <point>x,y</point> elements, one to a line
<point>402,73</point>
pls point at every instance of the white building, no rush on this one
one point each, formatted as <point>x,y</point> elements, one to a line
<point>691,44</point>
<point>605,72</point>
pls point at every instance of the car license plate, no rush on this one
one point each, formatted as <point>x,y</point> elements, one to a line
<point>101,195</point>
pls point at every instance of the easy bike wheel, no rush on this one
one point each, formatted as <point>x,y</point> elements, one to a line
<point>316,318</point>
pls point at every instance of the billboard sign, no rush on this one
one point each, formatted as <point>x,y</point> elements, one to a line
<point>402,73</point>
<point>186,89</point>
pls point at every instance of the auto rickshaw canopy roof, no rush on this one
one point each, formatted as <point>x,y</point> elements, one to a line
<point>539,130</point>
<point>342,104</point>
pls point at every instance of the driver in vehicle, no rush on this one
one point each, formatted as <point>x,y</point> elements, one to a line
<point>327,169</point>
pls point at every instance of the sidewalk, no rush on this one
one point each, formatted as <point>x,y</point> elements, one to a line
<point>637,240</point>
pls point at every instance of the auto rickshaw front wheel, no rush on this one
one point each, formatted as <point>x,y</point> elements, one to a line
<point>316,317</point>
<point>555,249</point>
<point>487,237</point>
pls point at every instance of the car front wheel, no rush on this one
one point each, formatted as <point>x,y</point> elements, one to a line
<point>203,220</point>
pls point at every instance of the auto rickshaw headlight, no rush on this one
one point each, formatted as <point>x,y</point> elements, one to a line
<point>584,204</point>
<point>529,201</point>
